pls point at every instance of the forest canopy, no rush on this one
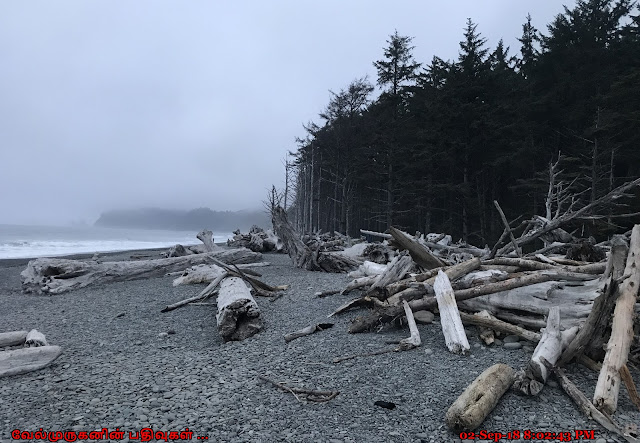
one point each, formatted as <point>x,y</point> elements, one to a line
<point>444,139</point>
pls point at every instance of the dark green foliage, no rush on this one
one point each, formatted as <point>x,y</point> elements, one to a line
<point>442,142</point>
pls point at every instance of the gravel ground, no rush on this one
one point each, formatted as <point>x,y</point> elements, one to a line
<point>119,372</point>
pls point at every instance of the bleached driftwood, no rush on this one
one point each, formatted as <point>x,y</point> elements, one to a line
<point>553,341</point>
<point>396,270</point>
<point>35,339</point>
<point>206,237</point>
<point>487,335</point>
<point>199,274</point>
<point>20,361</point>
<point>307,331</point>
<point>367,269</point>
<point>178,251</point>
<point>452,328</point>
<point>413,340</point>
<point>592,333</point>
<point>387,314</point>
<point>480,398</point>
<point>420,254</point>
<point>301,255</point>
<point>605,397</point>
<point>376,234</point>
<point>587,407</point>
<point>57,275</point>
<point>207,292</point>
<point>238,313</point>
<point>13,338</point>
<point>358,283</point>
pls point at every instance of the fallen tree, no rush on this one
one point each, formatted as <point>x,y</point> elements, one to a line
<point>304,257</point>
<point>57,275</point>
<point>238,315</point>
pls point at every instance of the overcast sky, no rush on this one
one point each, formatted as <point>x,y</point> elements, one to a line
<point>183,104</point>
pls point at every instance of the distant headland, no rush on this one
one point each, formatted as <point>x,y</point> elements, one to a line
<point>195,219</point>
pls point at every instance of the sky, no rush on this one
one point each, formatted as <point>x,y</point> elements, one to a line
<point>117,104</point>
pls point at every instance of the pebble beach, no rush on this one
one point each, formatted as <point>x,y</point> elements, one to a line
<point>127,366</point>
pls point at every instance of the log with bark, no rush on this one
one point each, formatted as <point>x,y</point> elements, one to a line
<point>302,256</point>
<point>57,275</point>
<point>238,313</point>
<point>396,270</point>
<point>480,398</point>
<point>606,394</point>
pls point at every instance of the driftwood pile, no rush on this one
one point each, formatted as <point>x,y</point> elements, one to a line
<point>258,240</point>
<point>583,302</point>
<point>585,310</point>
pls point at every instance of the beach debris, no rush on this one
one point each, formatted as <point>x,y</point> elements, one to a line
<point>480,398</point>
<point>58,275</point>
<point>300,394</point>
<point>454,334</point>
<point>35,354</point>
<point>35,339</point>
<point>385,404</point>
<point>304,256</point>
<point>238,315</point>
<point>257,239</point>
<point>307,331</point>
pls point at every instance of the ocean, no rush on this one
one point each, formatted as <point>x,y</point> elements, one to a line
<point>18,241</point>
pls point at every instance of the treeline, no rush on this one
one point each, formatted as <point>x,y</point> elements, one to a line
<point>193,220</point>
<point>444,140</point>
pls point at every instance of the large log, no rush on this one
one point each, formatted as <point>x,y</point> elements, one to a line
<point>20,361</point>
<point>13,338</point>
<point>605,397</point>
<point>420,254</point>
<point>57,275</point>
<point>452,328</point>
<point>549,349</point>
<point>238,313</point>
<point>593,331</point>
<point>396,270</point>
<point>480,398</point>
<point>501,289</point>
<point>301,255</point>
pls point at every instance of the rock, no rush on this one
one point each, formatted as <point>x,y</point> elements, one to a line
<point>163,335</point>
<point>511,339</point>
<point>423,317</point>
<point>601,440</point>
<point>497,342</point>
<point>428,351</point>
<point>171,331</point>
<point>511,346</point>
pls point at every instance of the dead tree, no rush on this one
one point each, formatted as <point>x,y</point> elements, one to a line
<point>304,257</point>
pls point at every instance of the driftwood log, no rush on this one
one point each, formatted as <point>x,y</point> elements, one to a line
<point>452,328</point>
<point>13,338</point>
<point>57,275</point>
<point>480,398</point>
<point>20,361</point>
<point>206,237</point>
<point>420,254</point>
<point>307,331</point>
<point>304,257</point>
<point>592,333</point>
<point>605,397</point>
<point>553,341</point>
<point>238,313</point>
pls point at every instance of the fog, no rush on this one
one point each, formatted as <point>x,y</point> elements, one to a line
<point>121,104</point>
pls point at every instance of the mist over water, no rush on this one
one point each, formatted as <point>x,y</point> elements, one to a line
<point>19,241</point>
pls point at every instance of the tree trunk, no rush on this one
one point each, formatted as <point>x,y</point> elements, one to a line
<point>21,361</point>
<point>206,237</point>
<point>420,254</point>
<point>57,275</point>
<point>14,338</point>
<point>452,328</point>
<point>238,313</point>
<point>480,398</point>
<point>606,394</point>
